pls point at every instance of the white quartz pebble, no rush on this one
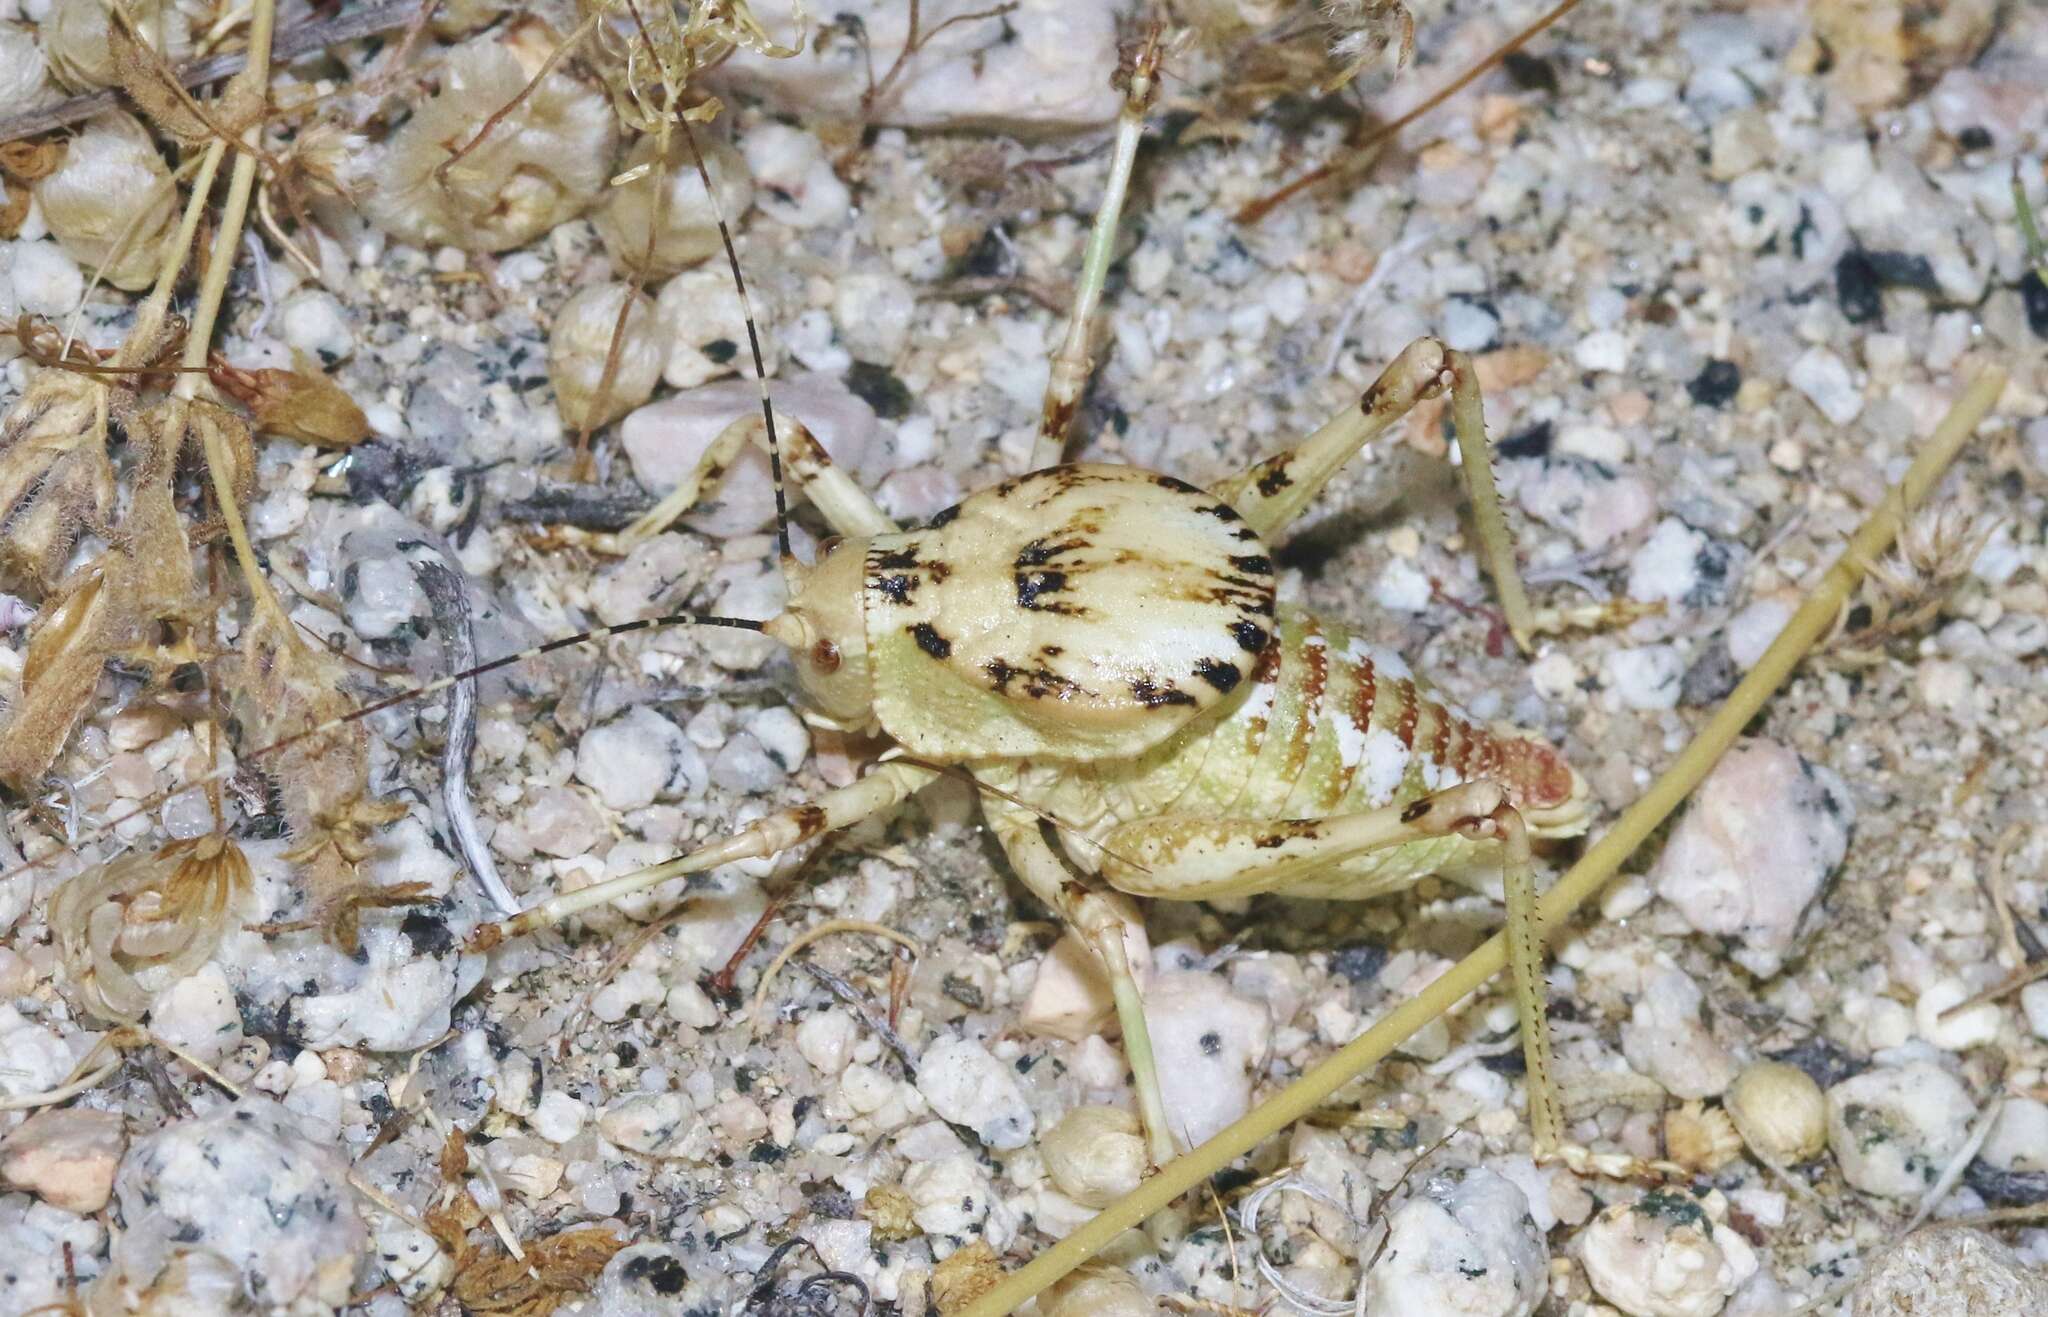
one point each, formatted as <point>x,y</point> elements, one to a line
<point>968,1086</point>
<point>1209,1044</point>
<point>1666,1255</point>
<point>1754,848</point>
<point>1466,1245</point>
<point>1894,1129</point>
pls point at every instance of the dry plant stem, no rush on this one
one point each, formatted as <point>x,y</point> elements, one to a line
<point>357,22</point>
<point>1366,151</point>
<point>220,263</point>
<point>1816,614</point>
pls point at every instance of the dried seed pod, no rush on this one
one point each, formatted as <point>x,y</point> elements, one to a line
<point>1780,1111</point>
<point>1700,1138</point>
<point>580,344</point>
<point>81,53</point>
<point>1094,1155</point>
<point>539,165</point>
<point>91,202</point>
<point>24,72</point>
<point>689,225</point>
<point>56,482</point>
<point>1099,1290</point>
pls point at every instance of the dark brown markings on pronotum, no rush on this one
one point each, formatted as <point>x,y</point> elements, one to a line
<point>1253,564</point>
<point>1154,695</point>
<point>1223,676</point>
<point>1177,485</point>
<point>1032,587</point>
<point>1038,683</point>
<point>930,641</point>
<point>1251,637</point>
<point>943,517</point>
<point>894,560</point>
<point>1043,550</point>
<point>1274,479</point>
<point>1223,512</point>
<point>898,587</point>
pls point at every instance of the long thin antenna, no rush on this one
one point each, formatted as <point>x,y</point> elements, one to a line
<point>732,258</point>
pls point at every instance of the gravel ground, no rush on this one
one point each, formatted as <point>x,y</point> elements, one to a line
<point>1721,267</point>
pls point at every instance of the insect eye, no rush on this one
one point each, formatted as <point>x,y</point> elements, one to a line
<point>825,656</point>
<point>827,545</point>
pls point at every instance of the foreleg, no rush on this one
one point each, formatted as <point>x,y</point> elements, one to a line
<point>844,504</point>
<point>885,787</point>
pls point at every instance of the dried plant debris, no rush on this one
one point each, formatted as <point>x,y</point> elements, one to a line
<point>487,1279</point>
<point>129,928</point>
<point>1736,260</point>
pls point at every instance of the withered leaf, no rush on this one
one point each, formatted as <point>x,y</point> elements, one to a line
<point>68,647</point>
<point>153,85</point>
<point>55,479</point>
<point>301,403</point>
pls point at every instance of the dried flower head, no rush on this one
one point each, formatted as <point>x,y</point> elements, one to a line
<point>1701,1139</point>
<point>1906,592</point>
<point>542,163</point>
<point>112,204</point>
<point>136,924</point>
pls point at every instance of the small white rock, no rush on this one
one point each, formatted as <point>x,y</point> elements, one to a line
<point>2019,1137</point>
<point>2034,1002</point>
<point>635,759</point>
<point>1667,1039</point>
<point>967,1086</point>
<point>1469,327</point>
<point>33,1059</point>
<point>1209,1044</point>
<point>1972,1027</point>
<point>47,282</point>
<point>558,1117</point>
<point>825,1039</point>
<point>1465,1245</point>
<point>198,1013</point>
<point>1646,676</point>
<point>1825,380</point>
<point>313,322</point>
<point>1754,849</point>
<point>1751,631</point>
<point>951,1195</point>
<point>1894,1129</point>
<point>647,1122</point>
<point>1666,1255</point>
<point>1602,350</point>
<point>795,181</point>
